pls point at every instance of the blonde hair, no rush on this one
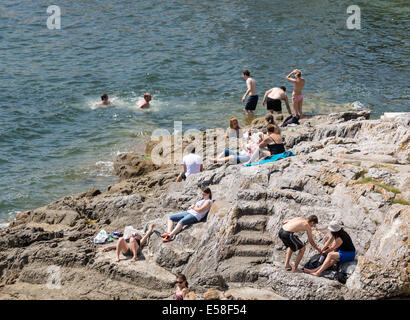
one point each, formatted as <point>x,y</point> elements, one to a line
<point>298,73</point>
<point>231,120</point>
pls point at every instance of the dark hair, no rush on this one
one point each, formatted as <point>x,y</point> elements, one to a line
<point>269,118</point>
<point>246,73</point>
<point>191,149</point>
<point>180,275</point>
<point>146,95</point>
<point>207,191</point>
<point>313,218</point>
<point>283,88</point>
<point>271,128</point>
<point>104,96</point>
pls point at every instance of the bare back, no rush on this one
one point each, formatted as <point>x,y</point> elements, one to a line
<point>251,84</point>
<point>298,85</point>
<point>296,225</point>
<point>277,93</point>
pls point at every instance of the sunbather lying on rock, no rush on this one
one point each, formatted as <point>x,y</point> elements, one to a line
<point>194,214</point>
<point>293,243</point>
<point>248,148</point>
<point>130,247</point>
<point>342,250</point>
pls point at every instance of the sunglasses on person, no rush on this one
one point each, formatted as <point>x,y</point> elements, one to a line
<point>180,282</point>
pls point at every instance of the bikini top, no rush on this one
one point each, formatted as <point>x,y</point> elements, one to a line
<point>178,297</point>
<point>276,148</point>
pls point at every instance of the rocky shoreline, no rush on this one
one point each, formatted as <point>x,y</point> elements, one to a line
<point>346,167</point>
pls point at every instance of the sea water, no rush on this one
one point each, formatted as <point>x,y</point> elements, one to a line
<point>189,55</point>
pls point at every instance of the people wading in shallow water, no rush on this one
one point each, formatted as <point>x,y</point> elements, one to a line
<point>251,91</point>
<point>297,96</point>
<point>273,99</point>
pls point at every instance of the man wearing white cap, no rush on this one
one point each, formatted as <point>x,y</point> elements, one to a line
<point>342,250</point>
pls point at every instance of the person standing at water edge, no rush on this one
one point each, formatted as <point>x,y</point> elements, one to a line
<point>293,243</point>
<point>144,104</point>
<point>251,91</point>
<point>274,97</point>
<point>297,96</point>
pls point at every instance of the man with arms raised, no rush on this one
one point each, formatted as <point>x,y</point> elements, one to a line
<point>297,96</point>
<point>293,243</point>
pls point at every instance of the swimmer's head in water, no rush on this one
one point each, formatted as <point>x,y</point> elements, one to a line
<point>104,97</point>
<point>283,88</point>
<point>147,96</point>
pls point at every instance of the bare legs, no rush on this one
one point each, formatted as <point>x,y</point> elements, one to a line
<point>297,106</point>
<point>330,260</point>
<point>122,247</point>
<point>297,261</point>
<point>177,229</point>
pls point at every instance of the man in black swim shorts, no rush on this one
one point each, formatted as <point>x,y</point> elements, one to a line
<point>273,99</point>
<point>252,100</point>
<point>293,243</point>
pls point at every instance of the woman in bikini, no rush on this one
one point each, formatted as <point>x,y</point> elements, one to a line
<point>181,288</point>
<point>297,96</point>
<point>130,247</point>
<point>269,146</point>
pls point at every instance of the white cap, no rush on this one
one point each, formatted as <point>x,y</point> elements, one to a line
<point>335,226</point>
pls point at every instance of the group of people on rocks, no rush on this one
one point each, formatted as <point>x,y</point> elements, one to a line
<point>253,146</point>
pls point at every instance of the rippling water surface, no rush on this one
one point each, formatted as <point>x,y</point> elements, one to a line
<point>189,55</point>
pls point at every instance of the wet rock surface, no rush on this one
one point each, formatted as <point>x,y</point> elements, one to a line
<point>346,167</point>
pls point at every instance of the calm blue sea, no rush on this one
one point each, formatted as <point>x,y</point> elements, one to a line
<point>189,55</point>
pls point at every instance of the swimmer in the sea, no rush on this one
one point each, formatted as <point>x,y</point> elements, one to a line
<point>104,101</point>
<point>144,104</point>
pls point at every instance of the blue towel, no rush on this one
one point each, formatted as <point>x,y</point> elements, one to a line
<point>275,157</point>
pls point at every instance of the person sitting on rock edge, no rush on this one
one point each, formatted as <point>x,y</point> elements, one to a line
<point>192,164</point>
<point>342,250</point>
<point>136,242</point>
<point>293,243</point>
<point>194,214</point>
<point>181,288</point>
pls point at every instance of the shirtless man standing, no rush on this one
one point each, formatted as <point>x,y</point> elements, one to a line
<point>274,98</point>
<point>293,243</point>
<point>297,96</point>
<point>253,96</point>
<point>145,102</point>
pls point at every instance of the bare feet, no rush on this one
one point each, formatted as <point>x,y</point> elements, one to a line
<point>288,268</point>
<point>315,274</point>
<point>134,259</point>
<point>117,260</point>
<point>296,270</point>
<point>308,271</point>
